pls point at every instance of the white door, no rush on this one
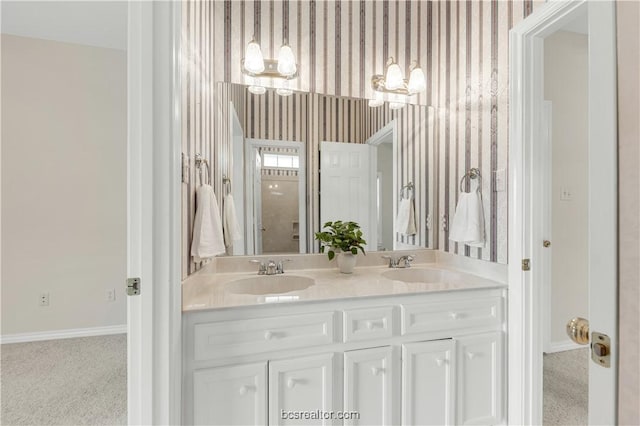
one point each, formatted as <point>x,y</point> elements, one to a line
<point>428,383</point>
<point>301,385</point>
<point>527,198</point>
<point>480,380</point>
<point>371,386</point>
<point>347,189</point>
<point>235,395</point>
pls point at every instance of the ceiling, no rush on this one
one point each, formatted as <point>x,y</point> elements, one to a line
<point>92,23</point>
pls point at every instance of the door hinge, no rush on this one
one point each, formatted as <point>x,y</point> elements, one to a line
<point>133,286</point>
<point>526,264</point>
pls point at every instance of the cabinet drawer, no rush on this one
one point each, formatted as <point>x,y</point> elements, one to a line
<point>232,338</point>
<point>368,323</point>
<point>465,314</point>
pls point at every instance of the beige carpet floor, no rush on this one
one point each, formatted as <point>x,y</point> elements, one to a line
<point>79,381</point>
<point>566,387</point>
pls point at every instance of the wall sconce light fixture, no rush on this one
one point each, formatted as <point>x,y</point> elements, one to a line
<point>392,82</point>
<point>255,65</point>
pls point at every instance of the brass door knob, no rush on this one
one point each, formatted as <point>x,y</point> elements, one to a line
<point>578,330</point>
<point>546,243</point>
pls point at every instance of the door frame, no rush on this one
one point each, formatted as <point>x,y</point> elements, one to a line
<point>525,328</point>
<point>375,140</point>
<point>154,364</point>
<point>250,146</point>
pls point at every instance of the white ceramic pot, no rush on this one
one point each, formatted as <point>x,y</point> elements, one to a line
<point>346,262</point>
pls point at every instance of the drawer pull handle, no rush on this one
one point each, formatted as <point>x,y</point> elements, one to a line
<point>440,361</point>
<point>268,335</point>
<point>244,389</point>
<point>376,371</point>
<point>471,355</point>
<point>454,315</point>
<point>291,383</point>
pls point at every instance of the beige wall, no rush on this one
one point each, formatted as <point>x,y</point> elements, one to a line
<point>629,204</point>
<point>63,185</point>
<point>280,210</point>
<point>565,85</point>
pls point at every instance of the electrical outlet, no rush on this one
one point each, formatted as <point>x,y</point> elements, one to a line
<point>566,194</point>
<point>501,180</point>
<point>44,299</point>
<point>111,295</point>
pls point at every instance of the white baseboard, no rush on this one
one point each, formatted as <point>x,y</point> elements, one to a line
<point>63,334</point>
<point>564,345</point>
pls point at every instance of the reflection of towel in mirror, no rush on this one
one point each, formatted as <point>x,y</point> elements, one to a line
<point>405,220</point>
<point>232,231</point>
<point>468,222</point>
<point>207,229</point>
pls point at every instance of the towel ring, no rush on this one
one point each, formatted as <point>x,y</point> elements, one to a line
<point>473,173</point>
<point>226,181</point>
<point>409,188</point>
<point>199,163</point>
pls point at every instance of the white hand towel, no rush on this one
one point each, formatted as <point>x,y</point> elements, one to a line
<point>405,220</point>
<point>207,229</point>
<point>467,226</point>
<point>232,231</point>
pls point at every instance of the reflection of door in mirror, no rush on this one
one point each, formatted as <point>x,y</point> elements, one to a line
<point>276,184</point>
<point>347,191</point>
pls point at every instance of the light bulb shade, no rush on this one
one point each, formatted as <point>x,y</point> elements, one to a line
<point>253,60</point>
<point>286,61</point>
<point>284,92</point>
<point>257,90</point>
<point>397,105</point>
<point>393,78</point>
<point>417,81</point>
<point>374,103</point>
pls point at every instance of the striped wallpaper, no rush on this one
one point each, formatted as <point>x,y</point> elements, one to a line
<point>461,45</point>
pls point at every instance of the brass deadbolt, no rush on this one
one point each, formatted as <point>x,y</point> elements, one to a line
<point>546,243</point>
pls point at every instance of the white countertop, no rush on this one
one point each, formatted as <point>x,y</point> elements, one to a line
<point>205,290</point>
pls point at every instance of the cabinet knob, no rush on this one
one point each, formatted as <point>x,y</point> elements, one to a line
<point>440,361</point>
<point>373,324</point>
<point>471,355</point>
<point>268,335</point>
<point>291,383</point>
<point>376,371</point>
<point>454,315</point>
<point>243,390</point>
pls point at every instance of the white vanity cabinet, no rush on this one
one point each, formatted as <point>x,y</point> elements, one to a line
<point>428,358</point>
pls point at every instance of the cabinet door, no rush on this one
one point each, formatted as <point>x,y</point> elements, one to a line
<point>428,382</point>
<point>234,395</point>
<point>305,386</point>
<point>480,379</point>
<point>371,386</point>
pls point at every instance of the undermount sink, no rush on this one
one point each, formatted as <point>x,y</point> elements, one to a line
<point>421,275</point>
<point>270,284</point>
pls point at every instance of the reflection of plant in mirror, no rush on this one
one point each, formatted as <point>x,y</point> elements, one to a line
<point>345,236</point>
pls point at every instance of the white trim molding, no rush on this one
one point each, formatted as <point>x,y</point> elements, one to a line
<point>63,334</point>
<point>564,345</point>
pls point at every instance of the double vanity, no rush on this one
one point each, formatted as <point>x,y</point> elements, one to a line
<point>417,345</point>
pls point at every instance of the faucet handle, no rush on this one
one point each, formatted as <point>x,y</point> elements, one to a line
<point>280,267</point>
<point>262,267</point>
<point>393,262</point>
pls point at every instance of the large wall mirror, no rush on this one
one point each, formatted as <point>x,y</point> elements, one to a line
<point>294,161</point>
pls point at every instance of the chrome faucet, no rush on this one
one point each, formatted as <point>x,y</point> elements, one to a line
<point>399,262</point>
<point>270,267</point>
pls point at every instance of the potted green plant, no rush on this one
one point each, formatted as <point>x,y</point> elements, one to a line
<point>343,238</point>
